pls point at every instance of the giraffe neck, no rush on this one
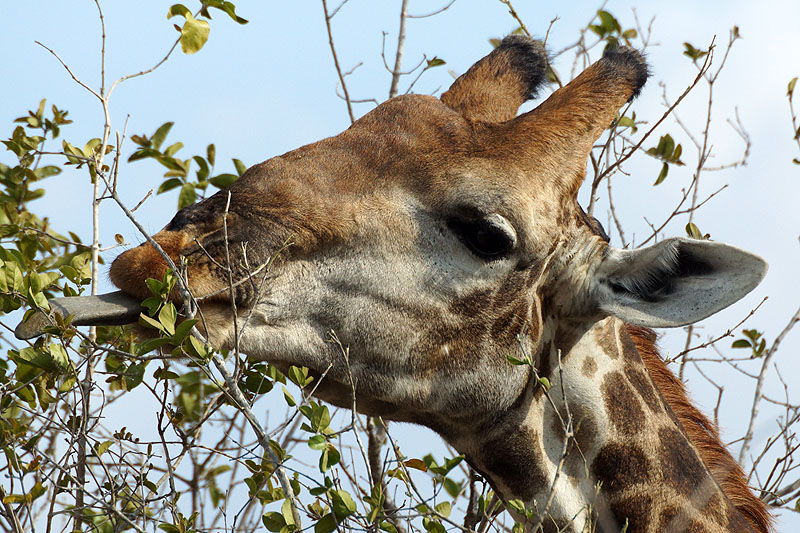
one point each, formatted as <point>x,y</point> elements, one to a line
<point>629,460</point>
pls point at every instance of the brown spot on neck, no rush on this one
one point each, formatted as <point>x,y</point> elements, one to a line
<point>644,386</point>
<point>619,466</point>
<point>589,367</point>
<point>622,406</point>
<point>680,466</point>
<point>633,511</point>
<point>606,336</point>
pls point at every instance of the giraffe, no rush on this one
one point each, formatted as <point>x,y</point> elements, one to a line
<point>437,236</point>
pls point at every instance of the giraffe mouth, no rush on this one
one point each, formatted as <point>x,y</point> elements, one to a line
<point>112,309</point>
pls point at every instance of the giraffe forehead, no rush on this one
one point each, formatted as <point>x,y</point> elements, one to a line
<point>418,144</point>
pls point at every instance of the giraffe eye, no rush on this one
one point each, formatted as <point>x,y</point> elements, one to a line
<point>491,237</point>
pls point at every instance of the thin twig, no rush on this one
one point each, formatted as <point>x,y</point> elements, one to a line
<point>630,152</point>
<point>767,359</point>
<point>336,60</point>
<point>432,13</point>
<point>568,436</point>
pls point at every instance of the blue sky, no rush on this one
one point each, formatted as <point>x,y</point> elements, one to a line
<point>268,87</point>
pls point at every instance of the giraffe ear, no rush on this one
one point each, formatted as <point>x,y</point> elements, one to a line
<point>675,282</point>
<point>493,88</point>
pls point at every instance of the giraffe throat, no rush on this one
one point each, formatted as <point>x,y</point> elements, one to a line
<point>601,450</point>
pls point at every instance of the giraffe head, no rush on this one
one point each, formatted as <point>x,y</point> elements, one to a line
<point>432,237</point>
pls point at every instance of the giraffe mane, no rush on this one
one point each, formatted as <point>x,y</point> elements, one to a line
<point>703,433</point>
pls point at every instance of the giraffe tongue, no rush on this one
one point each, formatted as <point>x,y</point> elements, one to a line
<point>103,310</point>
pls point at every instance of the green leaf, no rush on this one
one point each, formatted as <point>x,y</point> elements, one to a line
<point>91,147</point>
<point>545,383</point>
<point>228,8</point>
<point>12,458</point>
<point>161,133</point>
<point>416,464</point>
<point>103,447</point>
<point>203,170</point>
<point>662,175</point>
<point>451,463</point>
<point>47,171</point>
<point>240,167</point>
<point>692,52</point>
<point>273,521</point>
<point>194,34</point>
<point>326,524</point>
<point>70,151</point>
<point>320,418</point>
<point>171,150</point>
<point>693,231</point>
<point>317,442</point>
<point>286,511</point>
<point>452,488</point>
<point>257,383</point>
<point>211,154</point>
<point>168,185</point>
<point>751,334</point>
<point>198,349</point>
<point>596,29</point>
<point>608,22</point>
<point>330,457</point>
<point>517,506</point>
<point>59,358</point>
<point>433,526</point>
<point>223,181</point>
<point>178,9</point>
<point>516,362</point>
<point>790,88</point>
<point>444,509</point>
<point>676,155</point>
<point>299,376</point>
<point>666,145</point>
<point>183,329</point>
<point>741,343</point>
<point>173,163</point>
<point>145,320</point>
<point>167,317</point>
<point>435,62</point>
<point>627,122</point>
<point>288,397</point>
<point>143,154</point>
<point>38,300</point>
<point>187,196</point>
<point>342,504</point>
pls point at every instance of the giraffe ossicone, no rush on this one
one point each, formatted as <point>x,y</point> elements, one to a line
<point>436,236</point>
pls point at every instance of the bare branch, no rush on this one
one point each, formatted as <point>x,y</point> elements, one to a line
<point>398,58</point>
